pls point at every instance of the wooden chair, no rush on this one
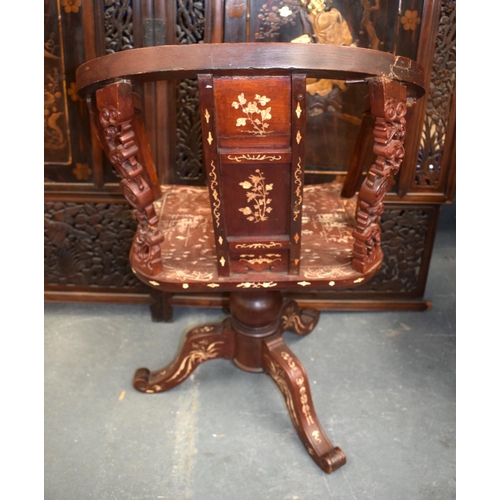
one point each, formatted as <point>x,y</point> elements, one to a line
<point>255,229</point>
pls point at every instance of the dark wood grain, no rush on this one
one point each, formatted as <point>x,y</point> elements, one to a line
<point>314,60</point>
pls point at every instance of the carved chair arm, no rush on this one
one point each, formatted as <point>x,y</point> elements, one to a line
<point>388,107</point>
<point>354,174</point>
<point>123,139</point>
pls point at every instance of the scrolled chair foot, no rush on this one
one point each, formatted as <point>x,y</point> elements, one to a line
<point>200,344</point>
<point>332,460</point>
<point>297,320</point>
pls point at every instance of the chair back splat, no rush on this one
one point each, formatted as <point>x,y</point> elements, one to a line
<point>255,229</point>
<point>253,129</point>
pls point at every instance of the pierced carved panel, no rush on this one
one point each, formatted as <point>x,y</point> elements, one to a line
<point>404,238</point>
<point>88,244</point>
<point>190,21</point>
<point>442,87</point>
<point>118,25</point>
<point>189,164</point>
<point>190,28</point>
<point>57,143</point>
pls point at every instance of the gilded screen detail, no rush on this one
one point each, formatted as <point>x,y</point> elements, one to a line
<point>57,146</point>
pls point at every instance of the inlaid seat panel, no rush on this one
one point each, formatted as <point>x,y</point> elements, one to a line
<point>189,255</point>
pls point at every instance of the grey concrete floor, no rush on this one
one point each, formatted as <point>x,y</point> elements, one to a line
<point>383,385</point>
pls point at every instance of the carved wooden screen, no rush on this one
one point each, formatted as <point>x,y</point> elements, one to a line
<point>90,28</point>
<point>88,225</point>
<point>65,157</point>
<point>403,27</point>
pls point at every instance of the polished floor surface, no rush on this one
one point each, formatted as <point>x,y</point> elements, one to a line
<point>383,385</point>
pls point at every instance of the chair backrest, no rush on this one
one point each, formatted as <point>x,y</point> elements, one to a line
<point>253,130</point>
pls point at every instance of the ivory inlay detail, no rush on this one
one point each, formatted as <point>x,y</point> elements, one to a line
<point>248,284</point>
<point>216,202</point>
<point>269,258</point>
<point>272,244</point>
<point>253,157</point>
<point>298,110</point>
<point>277,374</point>
<point>304,399</point>
<point>184,275</point>
<point>198,354</point>
<point>253,114</point>
<point>257,193</point>
<point>298,182</point>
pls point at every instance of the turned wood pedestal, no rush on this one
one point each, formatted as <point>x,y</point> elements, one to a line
<point>253,338</point>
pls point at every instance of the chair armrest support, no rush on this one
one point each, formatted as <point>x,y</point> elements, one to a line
<point>354,175</point>
<point>388,106</point>
<point>116,122</point>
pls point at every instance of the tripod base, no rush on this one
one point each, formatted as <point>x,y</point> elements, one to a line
<point>253,338</point>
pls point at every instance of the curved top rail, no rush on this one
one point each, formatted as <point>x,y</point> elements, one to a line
<point>186,61</point>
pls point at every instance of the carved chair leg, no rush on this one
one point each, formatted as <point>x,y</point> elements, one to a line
<point>200,344</point>
<point>289,374</point>
<point>299,321</point>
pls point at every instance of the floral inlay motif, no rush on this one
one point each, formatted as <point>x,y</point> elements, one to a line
<point>185,274</point>
<point>71,5</point>
<point>268,259</point>
<point>256,116</point>
<point>82,171</point>
<point>249,284</point>
<point>253,157</point>
<point>285,11</point>
<point>72,92</point>
<point>410,20</point>
<point>257,192</point>
<point>200,352</point>
<point>259,245</point>
<point>298,182</point>
<point>215,195</point>
<point>236,8</point>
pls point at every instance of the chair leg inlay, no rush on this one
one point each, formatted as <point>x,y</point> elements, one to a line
<point>200,344</point>
<point>299,321</point>
<point>290,377</point>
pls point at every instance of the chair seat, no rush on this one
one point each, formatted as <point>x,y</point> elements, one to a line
<point>189,256</point>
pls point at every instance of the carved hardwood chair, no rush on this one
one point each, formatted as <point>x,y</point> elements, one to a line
<point>255,229</point>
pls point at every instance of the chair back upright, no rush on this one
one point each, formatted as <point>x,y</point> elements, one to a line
<point>253,142</point>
